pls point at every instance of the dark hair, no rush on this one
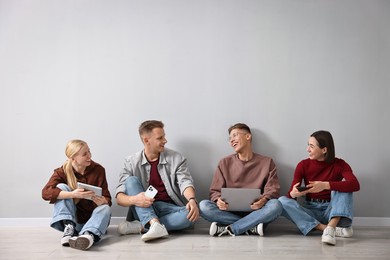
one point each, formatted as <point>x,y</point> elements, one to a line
<point>240,126</point>
<point>325,139</point>
<point>149,125</point>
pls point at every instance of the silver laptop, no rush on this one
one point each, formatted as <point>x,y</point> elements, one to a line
<point>240,199</point>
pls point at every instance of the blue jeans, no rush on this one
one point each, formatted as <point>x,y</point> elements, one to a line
<point>240,222</point>
<point>310,214</point>
<point>66,210</point>
<point>172,216</point>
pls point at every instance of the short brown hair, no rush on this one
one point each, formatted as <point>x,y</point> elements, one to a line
<point>241,126</point>
<point>149,125</point>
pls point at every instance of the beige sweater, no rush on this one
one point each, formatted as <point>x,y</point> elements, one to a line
<point>259,172</point>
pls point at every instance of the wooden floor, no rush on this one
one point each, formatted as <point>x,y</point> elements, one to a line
<point>279,242</point>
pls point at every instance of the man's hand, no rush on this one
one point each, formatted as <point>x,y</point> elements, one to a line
<point>222,205</point>
<point>193,210</point>
<point>259,204</point>
<point>140,200</point>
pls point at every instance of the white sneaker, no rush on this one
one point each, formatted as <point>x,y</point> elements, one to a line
<point>133,227</point>
<point>156,230</point>
<point>257,230</point>
<point>328,236</point>
<point>344,232</point>
<point>82,242</point>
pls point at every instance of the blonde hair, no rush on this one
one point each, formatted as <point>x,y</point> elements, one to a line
<point>72,148</point>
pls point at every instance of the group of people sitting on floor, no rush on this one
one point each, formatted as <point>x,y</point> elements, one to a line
<point>324,182</point>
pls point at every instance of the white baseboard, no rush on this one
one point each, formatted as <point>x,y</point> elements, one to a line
<point>41,222</point>
<point>45,222</point>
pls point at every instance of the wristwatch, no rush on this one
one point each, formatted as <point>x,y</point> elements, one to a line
<point>193,198</point>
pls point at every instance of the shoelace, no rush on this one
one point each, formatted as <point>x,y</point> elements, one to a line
<point>69,230</point>
<point>253,230</point>
<point>329,231</point>
<point>223,231</point>
<point>341,232</point>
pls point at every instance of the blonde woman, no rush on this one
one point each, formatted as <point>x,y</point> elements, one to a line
<point>79,213</point>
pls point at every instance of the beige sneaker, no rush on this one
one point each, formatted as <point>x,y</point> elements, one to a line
<point>156,230</point>
<point>133,227</point>
<point>329,236</point>
<point>344,232</point>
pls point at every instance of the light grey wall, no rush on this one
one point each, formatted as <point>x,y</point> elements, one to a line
<point>96,69</point>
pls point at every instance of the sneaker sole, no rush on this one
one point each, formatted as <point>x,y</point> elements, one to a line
<point>151,238</point>
<point>349,236</point>
<point>261,231</point>
<point>65,241</point>
<point>328,242</point>
<point>213,229</point>
<point>344,235</point>
<point>80,243</point>
<point>146,239</point>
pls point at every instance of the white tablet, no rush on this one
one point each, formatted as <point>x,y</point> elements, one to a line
<point>97,190</point>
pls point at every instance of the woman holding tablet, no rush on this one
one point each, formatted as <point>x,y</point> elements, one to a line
<point>78,212</point>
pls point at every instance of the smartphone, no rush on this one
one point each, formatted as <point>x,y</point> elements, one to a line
<point>151,192</point>
<point>302,188</point>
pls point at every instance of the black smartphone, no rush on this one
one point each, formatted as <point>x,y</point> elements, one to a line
<point>302,188</point>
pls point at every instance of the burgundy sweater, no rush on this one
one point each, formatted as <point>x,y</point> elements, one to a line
<point>338,173</point>
<point>259,173</point>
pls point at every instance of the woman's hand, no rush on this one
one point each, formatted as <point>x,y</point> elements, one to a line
<point>295,193</point>
<point>318,186</point>
<point>99,200</point>
<point>82,194</point>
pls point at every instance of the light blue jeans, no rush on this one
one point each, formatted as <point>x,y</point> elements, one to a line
<point>66,210</point>
<point>172,216</point>
<point>240,222</point>
<point>308,214</point>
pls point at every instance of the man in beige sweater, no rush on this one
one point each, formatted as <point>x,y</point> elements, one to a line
<point>243,169</point>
